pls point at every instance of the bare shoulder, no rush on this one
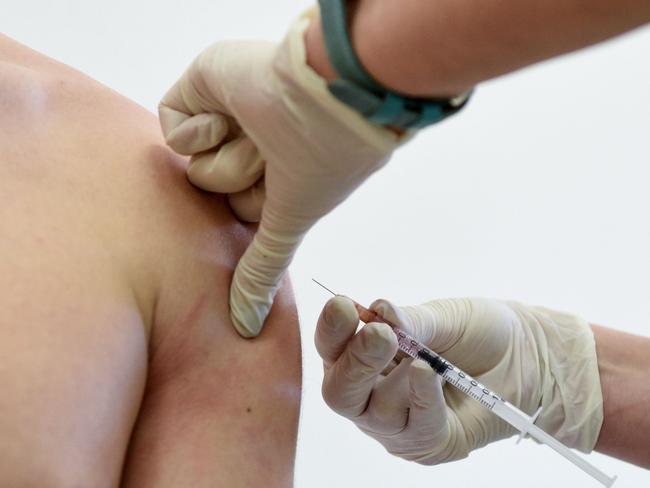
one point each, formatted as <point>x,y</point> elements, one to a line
<point>107,248</point>
<point>72,337</point>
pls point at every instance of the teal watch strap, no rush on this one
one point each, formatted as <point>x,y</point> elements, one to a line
<point>334,17</point>
<point>359,90</point>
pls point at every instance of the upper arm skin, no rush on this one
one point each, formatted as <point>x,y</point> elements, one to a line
<point>220,410</point>
<point>114,272</point>
<point>72,339</point>
<point>72,354</point>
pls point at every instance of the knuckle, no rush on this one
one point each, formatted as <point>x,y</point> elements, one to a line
<point>360,367</point>
<point>333,398</point>
<point>386,418</point>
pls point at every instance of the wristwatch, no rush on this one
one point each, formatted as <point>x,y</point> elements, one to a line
<point>357,89</point>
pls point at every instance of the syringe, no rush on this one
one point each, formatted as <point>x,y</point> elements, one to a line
<point>519,420</point>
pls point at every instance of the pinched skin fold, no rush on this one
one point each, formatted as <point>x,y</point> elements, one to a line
<point>264,108</point>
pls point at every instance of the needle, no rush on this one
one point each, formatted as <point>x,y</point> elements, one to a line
<point>322,285</point>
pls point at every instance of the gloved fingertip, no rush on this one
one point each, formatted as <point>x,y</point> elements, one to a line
<point>424,385</point>
<point>192,135</point>
<point>421,371</point>
<point>248,328</point>
<point>391,312</point>
<point>339,311</point>
<point>385,308</point>
<point>245,208</point>
<point>381,305</point>
<point>247,205</point>
<point>200,172</point>
<point>232,167</point>
<point>175,141</point>
<point>378,340</point>
<point>170,119</point>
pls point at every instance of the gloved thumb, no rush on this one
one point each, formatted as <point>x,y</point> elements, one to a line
<point>257,278</point>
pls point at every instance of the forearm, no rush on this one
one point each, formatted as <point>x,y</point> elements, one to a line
<point>444,47</point>
<point>624,364</point>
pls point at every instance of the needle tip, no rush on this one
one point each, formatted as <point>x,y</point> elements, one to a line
<point>323,286</point>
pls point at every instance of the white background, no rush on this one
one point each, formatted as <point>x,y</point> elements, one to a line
<point>537,192</point>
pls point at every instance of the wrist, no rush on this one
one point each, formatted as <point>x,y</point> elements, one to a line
<point>317,57</point>
<point>623,363</point>
<point>330,52</point>
<point>383,59</point>
<point>569,384</point>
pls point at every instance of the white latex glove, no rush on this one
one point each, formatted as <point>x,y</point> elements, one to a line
<point>262,126</point>
<point>531,356</point>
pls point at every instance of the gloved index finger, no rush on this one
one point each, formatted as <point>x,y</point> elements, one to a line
<point>190,96</point>
<point>180,101</point>
<point>178,105</point>
<point>336,325</point>
<point>208,84</point>
<point>191,119</point>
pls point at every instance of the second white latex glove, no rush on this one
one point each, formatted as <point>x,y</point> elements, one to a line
<point>262,126</point>
<point>530,355</point>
